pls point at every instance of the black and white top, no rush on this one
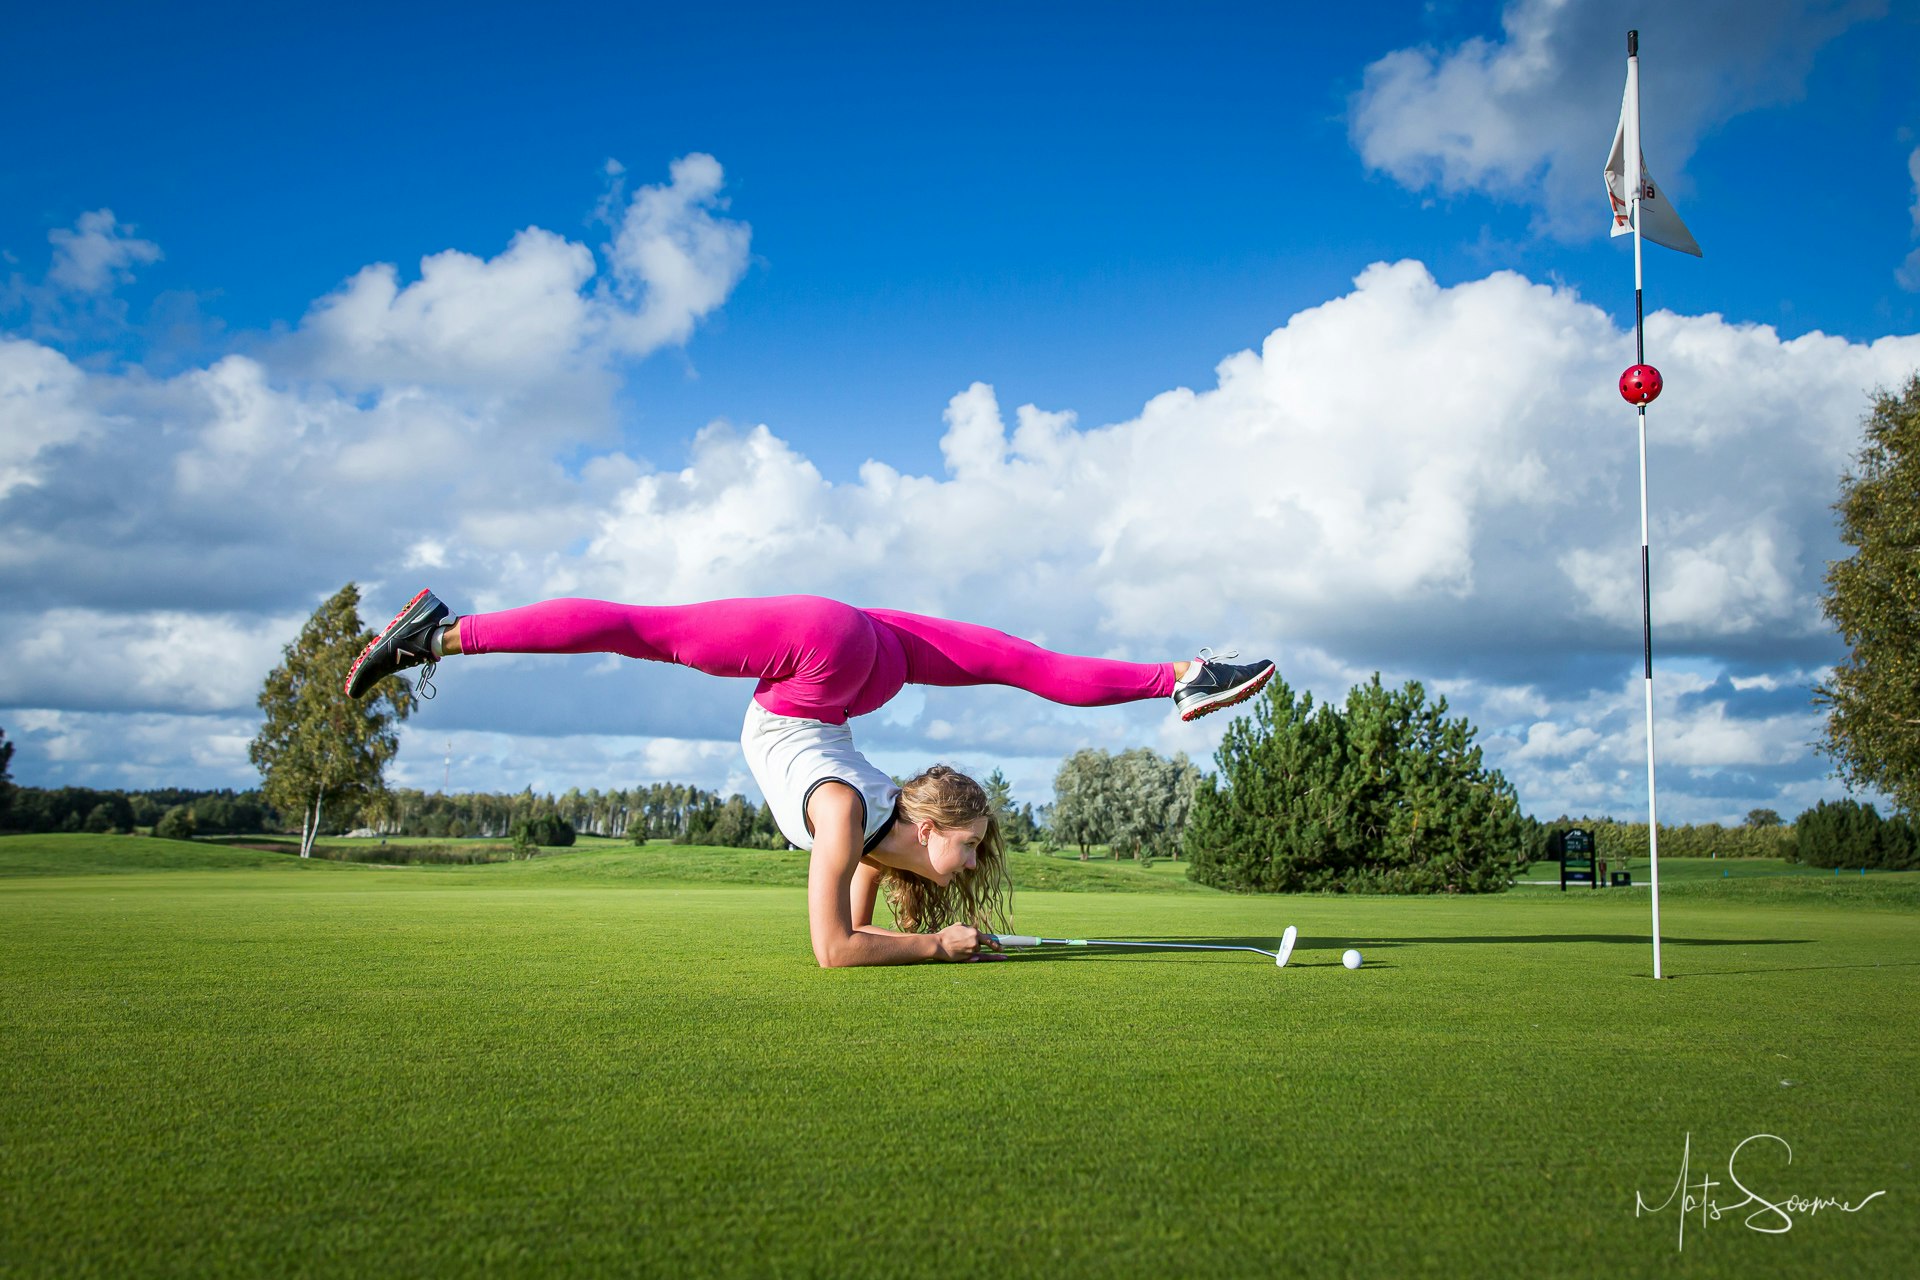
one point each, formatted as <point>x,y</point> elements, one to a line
<point>790,756</point>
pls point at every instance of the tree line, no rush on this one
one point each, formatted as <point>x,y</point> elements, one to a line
<point>224,812</point>
<point>661,811</point>
<point>1623,840</point>
<point>1094,785</point>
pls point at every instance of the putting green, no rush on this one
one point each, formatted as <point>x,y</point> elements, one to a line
<point>346,1070</point>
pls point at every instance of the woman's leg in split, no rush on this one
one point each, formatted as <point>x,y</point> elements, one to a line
<point>715,637</point>
<point>942,652</point>
<point>814,654</point>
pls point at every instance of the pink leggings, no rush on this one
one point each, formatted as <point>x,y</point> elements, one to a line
<point>815,658</point>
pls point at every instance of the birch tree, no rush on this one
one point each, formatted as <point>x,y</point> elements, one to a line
<point>320,752</point>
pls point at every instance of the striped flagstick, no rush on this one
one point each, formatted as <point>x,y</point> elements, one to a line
<point>1639,207</point>
<point>1649,388</point>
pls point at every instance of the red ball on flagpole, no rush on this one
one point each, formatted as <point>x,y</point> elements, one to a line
<point>1641,384</point>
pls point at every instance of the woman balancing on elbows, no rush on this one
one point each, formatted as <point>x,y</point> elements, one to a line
<point>934,842</point>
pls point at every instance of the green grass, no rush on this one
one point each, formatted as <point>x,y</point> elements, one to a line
<point>56,855</point>
<point>560,1066</point>
<point>590,858</point>
<point>1687,870</point>
<point>1757,880</point>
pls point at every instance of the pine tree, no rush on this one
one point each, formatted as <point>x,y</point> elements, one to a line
<point>1385,795</point>
<point>1847,833</point>
<point>999,796</point>
<point>319,751</point>
<point>1017,826</point>
<point>1274,807</point>
<point>1873,597</point>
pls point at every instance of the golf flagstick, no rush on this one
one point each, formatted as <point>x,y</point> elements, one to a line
<point>1639,207</point>
<point>1636,184</point>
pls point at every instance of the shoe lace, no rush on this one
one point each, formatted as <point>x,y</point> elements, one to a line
<point>1207,655</point>
<point>425,685</point>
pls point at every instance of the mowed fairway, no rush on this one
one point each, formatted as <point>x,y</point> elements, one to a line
<point>348,1070</point>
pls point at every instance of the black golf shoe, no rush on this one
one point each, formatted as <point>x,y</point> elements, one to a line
<point>1219,684</point>
<point>405,643</point>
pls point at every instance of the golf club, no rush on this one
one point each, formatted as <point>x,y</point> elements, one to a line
<point>1027,940</point>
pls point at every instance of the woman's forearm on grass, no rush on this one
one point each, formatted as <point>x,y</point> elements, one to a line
<point>868,947</point>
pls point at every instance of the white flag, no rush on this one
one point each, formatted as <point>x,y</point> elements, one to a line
<point>1658,222</point>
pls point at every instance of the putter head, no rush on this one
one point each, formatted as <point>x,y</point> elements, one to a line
<point>1287,940</point>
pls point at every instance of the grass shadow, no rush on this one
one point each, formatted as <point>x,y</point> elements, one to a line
<point>1801,968</point>
<point>1372,943</point>
<point>1322,942</point>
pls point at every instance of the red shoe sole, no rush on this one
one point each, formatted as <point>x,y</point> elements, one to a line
<point>405,609</point>
<point>1244,692</point>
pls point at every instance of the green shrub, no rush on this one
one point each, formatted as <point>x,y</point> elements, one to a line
<point>1846,833</point>
<point>176,824</point>
<point>461,855</point>
<point>1385,795</point>
<point>548,829</point>
<point>731,823</point>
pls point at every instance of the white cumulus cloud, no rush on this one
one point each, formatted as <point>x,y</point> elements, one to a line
<point>40,410</point>
<point>137,750</point>
<point>1527,115</point>
<point>527,315</point>
<point>1909,272</point>
<point>1408,449</point>
<point>163,660</point>
<point>673,261</point>
<point>99,253</point>
<point>515,316</point>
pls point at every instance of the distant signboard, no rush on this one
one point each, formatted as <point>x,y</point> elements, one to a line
<point>1575,851</point>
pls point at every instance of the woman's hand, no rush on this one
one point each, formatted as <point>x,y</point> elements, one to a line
<point>963,942</point>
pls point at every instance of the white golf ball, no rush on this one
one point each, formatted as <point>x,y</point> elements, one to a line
<point>1351,958</point>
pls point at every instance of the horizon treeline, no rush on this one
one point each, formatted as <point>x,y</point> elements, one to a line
<point>661,811</point>
<point>32,810</point>
<point>1834,833</point>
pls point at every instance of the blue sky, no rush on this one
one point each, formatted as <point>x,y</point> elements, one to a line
<point>903,229</point>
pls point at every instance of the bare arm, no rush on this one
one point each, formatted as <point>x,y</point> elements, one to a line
<point>865,892</point>
<point>835,811</point>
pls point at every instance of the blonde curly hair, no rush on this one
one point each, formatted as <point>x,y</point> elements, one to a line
<point>982,897</point>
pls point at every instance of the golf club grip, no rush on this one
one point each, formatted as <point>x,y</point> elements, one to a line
<point>1015,939</point>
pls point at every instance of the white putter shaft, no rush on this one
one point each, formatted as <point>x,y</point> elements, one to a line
<point>1021,940</point>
